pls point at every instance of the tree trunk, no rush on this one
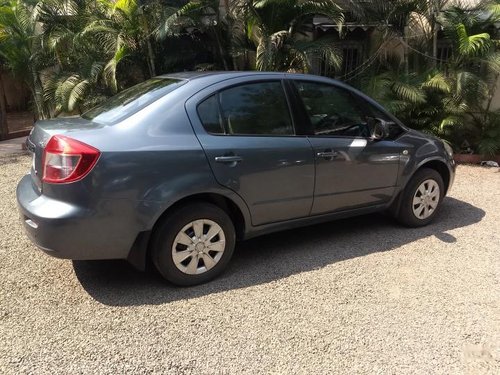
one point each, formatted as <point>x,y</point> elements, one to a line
<point>221,50</point>
<point>406,54</point>
<point>434,29</point>
<point>37,92</point>
<point>4,130</point>
<point>492,90</point>
<point>151,58</point>
<point>434,47</point>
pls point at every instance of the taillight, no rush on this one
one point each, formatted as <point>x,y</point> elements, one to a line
<point>67,160</point>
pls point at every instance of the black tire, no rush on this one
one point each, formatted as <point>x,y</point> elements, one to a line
<point>166,232</point>
<point>406,214</point>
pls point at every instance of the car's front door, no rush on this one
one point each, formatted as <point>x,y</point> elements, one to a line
<point>248,135</point>
<point>352,170</point>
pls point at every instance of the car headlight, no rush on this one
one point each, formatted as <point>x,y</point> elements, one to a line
<point>448,149</point>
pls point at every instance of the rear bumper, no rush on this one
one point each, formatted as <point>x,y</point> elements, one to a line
<point>68,231</point>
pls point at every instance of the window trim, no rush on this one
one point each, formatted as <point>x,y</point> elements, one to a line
<point>286,94</point>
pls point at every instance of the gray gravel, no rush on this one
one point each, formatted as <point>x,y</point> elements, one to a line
<point>357,296</point>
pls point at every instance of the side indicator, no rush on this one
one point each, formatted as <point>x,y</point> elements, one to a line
<point>31,223</point>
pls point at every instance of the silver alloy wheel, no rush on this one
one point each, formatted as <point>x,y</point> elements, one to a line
<point>426,199</point>
<point>198,246</point>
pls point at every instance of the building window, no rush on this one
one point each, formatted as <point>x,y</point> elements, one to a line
<point>444,53</point>
<point>351,58</point>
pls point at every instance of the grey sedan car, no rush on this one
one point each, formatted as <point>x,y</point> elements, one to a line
<point>180,167</point>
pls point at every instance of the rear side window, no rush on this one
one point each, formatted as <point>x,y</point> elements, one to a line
<point>256,109</point>
<point>131,100</point>
<point>208,111</point>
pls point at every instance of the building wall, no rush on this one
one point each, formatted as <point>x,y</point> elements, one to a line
<point>17,95</point>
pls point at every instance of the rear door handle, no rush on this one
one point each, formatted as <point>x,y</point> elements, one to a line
<point>230,159</point>
<point>327,154</point>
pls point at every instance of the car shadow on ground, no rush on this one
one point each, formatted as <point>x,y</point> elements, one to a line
<point>272,257</point>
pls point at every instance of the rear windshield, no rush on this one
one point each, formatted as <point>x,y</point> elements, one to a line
<point>131,100</point>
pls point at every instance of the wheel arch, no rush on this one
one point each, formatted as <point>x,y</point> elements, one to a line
<point>219,200</point>
<point>436,164</point>
<point>440,167</point>
<point>139,255</point>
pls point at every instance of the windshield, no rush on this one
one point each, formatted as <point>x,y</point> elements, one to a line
<point>131,100</point>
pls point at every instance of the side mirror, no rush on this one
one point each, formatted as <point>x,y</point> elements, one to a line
<point>378,129</point>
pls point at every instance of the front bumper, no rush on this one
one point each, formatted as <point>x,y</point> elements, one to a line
<point>68,231</point>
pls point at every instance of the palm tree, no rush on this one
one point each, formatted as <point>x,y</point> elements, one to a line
<point>126,28</point>
<point>99,48</point>
<point>280,31</point>
<point>452,100</point>
<point>21,48</point>
<point>397,19</point>
<point>205,17</point>
<point>74,82</point>
<point>475,68</point>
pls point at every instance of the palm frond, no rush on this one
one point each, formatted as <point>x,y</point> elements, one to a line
<point>126,6</point>
<point>492,62</point>
<point>472,45</point>
<point>450,121</point>
<point>111,67</point>
<point>175,21</point>
<point>327,8</point>
<point>470,88</point>
<point>266,54</point>
<point>324,49</point>
<point>439,82</point>
<point>377,86</point>
<point>408,92</point>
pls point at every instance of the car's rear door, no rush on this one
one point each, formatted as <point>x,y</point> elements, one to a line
<point>352,171</point>
<point>247,132</point>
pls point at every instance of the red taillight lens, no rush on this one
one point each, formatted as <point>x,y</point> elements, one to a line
<point>67,160</point>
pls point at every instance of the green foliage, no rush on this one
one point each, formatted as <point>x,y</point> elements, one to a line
<point>278,29</point>
<point>21,47</point>
<point>451,99</point>
<point>73,54</point>
<point>472,45</point>
<point>205,17</point>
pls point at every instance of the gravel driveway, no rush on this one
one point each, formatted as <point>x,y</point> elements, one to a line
<point>357,296</point>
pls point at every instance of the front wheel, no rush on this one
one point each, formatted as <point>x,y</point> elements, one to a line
<point>421,198</point>
<point>194,244</point>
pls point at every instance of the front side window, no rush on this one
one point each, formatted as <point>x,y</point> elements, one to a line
<point>256,109</point>
<point>332,110</point>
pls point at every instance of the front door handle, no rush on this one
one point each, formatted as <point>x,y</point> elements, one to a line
<point>327,154</point>
<point>228,159</point>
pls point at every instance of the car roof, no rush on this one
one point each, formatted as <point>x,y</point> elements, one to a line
<point>211,77</point>
<point>191,75</point>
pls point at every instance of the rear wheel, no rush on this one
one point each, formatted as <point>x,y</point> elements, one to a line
<point>421,198</point>
<point>194,244</point>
